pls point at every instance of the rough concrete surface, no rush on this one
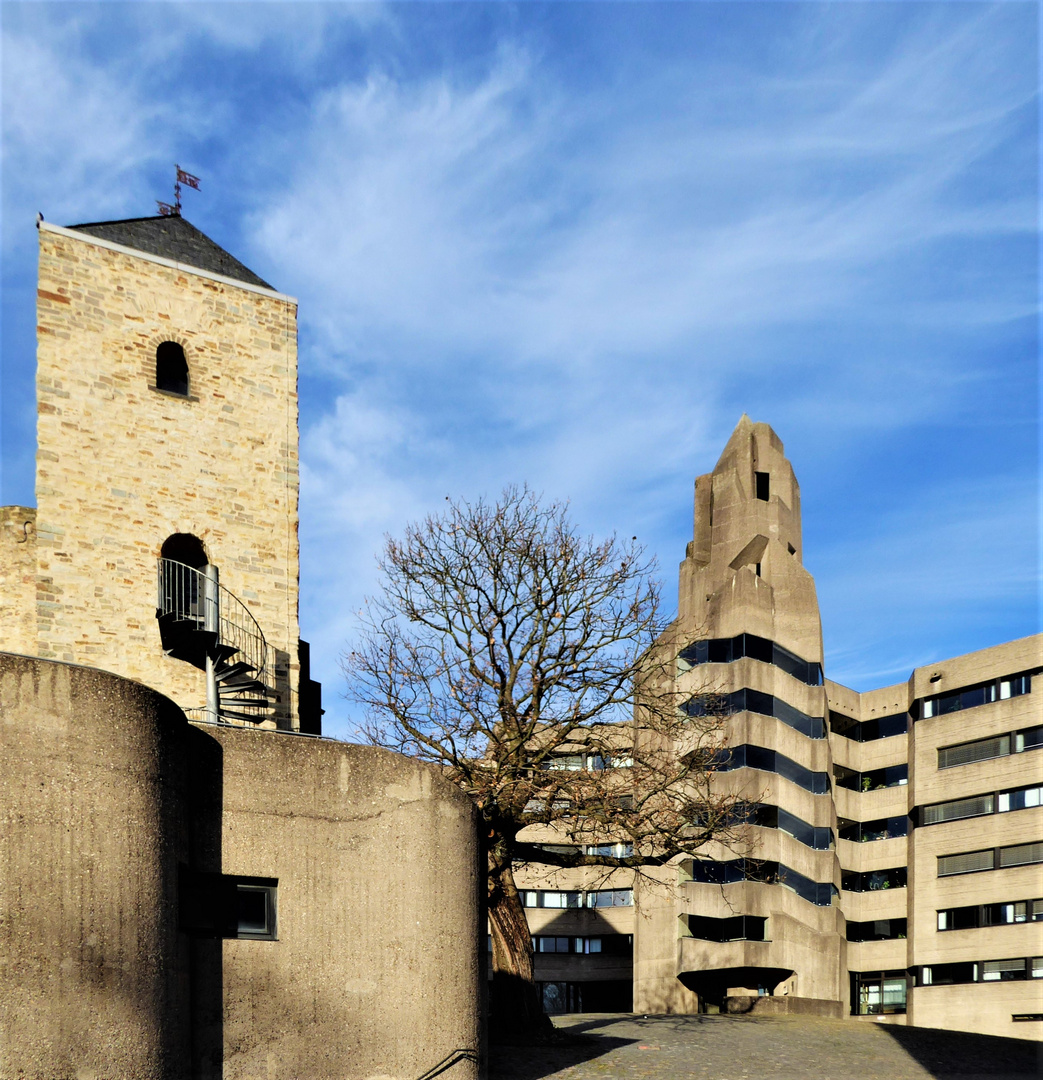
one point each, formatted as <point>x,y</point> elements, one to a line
<point>625,1047</point>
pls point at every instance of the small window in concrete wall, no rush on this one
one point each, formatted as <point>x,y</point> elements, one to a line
<point>171,369</point>
<point>763,481</point>
<point>255,911</point>
<point>228,906</point>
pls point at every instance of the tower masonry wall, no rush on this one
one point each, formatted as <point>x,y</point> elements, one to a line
<point>18,578</point>
<point>121,465</point>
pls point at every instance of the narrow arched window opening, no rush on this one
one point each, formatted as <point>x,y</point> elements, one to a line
<point>171,369</point>
<point>185,548</point>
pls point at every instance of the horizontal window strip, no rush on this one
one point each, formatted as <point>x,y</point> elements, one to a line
<point>861,731</point>
<point>1016,742</point>
<point>751,756</point>
<point>768,816</point>
<point>874,780</point>
<point>980,971</point>
<point>1021,854</point>
<point>734,928</point>
<point>728,650</point>
<point>969,862</point>
<point>960,808</point>
<point>970,697</point>
<point>768,872</point>
<point>1002,802</point>
<point>877,930</point>
<point>974,916</point>
<point>747,700</point>
<point>894,877</point>
<point>862,832</point>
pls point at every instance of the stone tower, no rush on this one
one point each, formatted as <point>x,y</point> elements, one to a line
<point>167,438</point>
<point>748,635</point>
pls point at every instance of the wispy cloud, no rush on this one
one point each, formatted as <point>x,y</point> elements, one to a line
<point>570,245</point>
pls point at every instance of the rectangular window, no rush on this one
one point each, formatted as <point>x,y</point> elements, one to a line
<point>876,930</point>
<point>972,696</point>
<point>958,809</point>
<point>879,992</point>
<point>610,898</point>
<point>1021,799</point>
<point>967,862</point>
<point>873,880</point>
<point>255,911</point>
<point>979,750</point>
<point>226,905</point>
<point>1029,739</point>
<point>1021,854</point>
<point>763,481</point>
<point>555,899</point>
<point>1002,970</point>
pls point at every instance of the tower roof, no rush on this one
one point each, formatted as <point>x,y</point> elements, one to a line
<point>172,238</point>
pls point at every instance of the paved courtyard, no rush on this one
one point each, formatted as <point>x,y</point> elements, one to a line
<point>763,1048</point>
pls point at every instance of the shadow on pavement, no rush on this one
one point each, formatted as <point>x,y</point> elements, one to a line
<point>581,1044</point>
<point>959,1053</point>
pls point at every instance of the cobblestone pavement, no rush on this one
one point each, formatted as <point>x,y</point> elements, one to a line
<point>626,1047</point>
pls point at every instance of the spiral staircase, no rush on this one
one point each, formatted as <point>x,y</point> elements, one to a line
<point>204,624</point>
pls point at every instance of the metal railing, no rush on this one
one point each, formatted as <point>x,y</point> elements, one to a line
<point>195,596</point>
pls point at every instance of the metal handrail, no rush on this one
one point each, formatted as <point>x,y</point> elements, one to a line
<point>193,595</point>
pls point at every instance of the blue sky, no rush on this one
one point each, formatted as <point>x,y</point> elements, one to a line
<point>571,244</point>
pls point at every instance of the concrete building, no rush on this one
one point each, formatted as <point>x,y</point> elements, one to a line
<point>893,867</point>
<point>194,883</point>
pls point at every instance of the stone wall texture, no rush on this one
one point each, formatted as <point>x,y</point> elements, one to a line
<point>18,578</point>
<point>121,466</point>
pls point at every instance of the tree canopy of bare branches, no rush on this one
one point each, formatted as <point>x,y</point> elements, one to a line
<point>520,658</point>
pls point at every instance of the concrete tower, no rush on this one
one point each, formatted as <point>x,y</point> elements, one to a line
<point>748,633</point>
<point>167,447</point>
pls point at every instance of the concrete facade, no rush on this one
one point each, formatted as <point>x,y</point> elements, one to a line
<point>109,797</point>
<point>877,811</point>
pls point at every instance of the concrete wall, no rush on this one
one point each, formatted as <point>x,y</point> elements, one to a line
<point>743,573</point>
<point>375,972</point>
<point>106,790</point>
<point>93,975</point>
<point>121,466</point>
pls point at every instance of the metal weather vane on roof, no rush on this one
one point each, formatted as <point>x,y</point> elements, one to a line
<point>181,177</point>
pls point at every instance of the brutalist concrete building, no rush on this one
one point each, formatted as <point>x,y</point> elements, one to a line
<point>895,840</point>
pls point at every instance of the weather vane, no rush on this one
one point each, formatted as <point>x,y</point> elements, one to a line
<point>174,209</point>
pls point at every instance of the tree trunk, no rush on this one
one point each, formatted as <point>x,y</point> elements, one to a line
<point>516,1010</point>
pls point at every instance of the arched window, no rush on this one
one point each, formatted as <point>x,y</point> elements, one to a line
<point>185,548</point>
<point>171,368</point>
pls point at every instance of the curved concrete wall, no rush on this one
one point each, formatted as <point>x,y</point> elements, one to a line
<point>93,974</point>
<point>106,790</point>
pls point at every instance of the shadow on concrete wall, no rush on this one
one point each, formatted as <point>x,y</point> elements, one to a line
<point>960,1053</point>
<point>203,805</point>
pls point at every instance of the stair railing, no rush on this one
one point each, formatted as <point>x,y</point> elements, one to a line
<point>196,595</point>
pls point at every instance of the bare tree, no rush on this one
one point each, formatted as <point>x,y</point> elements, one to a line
<point>503,645</point>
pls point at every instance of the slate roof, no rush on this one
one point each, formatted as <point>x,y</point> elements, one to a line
<point>172,238</point>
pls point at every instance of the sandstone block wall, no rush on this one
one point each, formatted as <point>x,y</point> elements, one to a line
<point>18,579</point>
<point>121,466</point>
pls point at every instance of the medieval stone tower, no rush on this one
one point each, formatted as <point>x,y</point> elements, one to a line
<point>748,641</point>
<point>163,546</point>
